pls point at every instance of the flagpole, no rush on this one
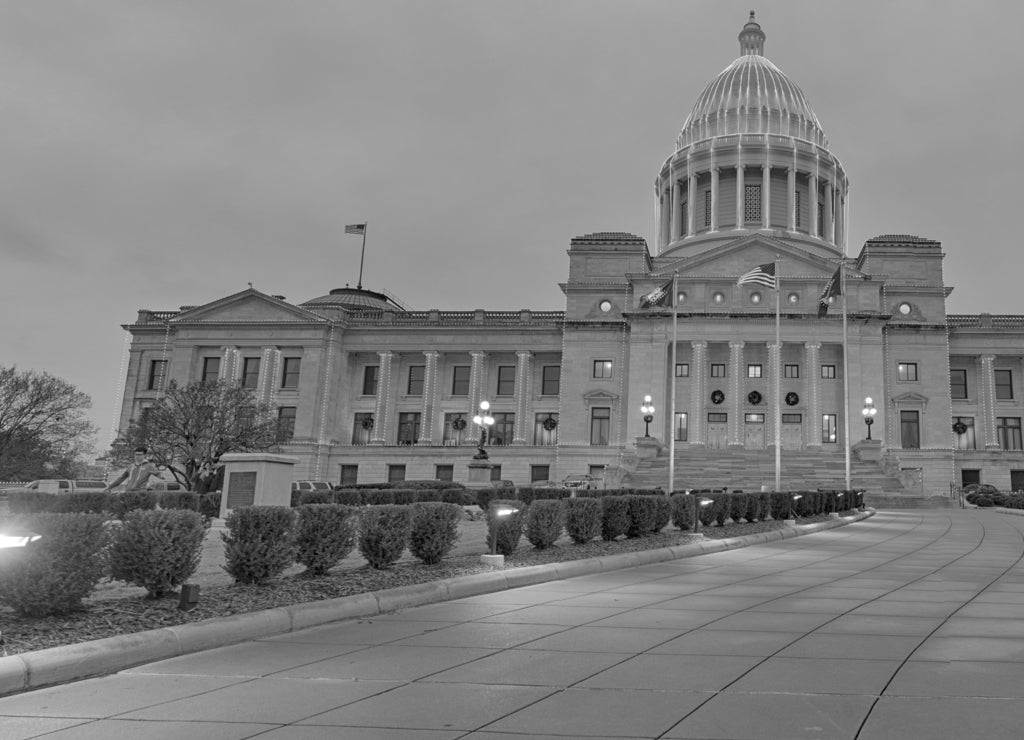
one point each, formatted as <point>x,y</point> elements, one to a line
<point>362,256</point>
<point>846,372</point>
<point>778,382</point>
<point>672,393</point>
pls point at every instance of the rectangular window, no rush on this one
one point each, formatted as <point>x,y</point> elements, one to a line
<point>707,208</point>
<point>958,384</point>
<point>362,428</point>
<point>285,423</point>
<point>444,472</point>
<point>370,373</point>
<point>1008,430</point>
<point>495,472</point>
<point>752,203</point>
<point>717,417</point>
<point>504,428</point>
<point>211,369</point>
<point>290,376</point>
<point>415,385</point>
<point>453,435</point>
<point>792,418</point>
<point>349,475</point>
<point>965,440</point>
<point>682,428</point>
<point>828,372</point>
<point>460,380</point>
<point>791,371</point>
<point>600,425</point>
<point>506,380</point>
<point>753,371</point>
<point>602,368</point>
<point>1004,384</point>
<point>250,372</point>
<point>545,429</point>
<point>821,218</point>
<point>718,370</point>
<point>906,371</point>
<point>683,370</point>
<point>910,430</point>
<point>408,428</point>
<point>539,473</point>
<point>157,375</point>
<point>550,380</point>
<point>828,429</point>
<point>396,473</point>
<point>753,418</point>
<point>686,217</point>
<point>796,208</point>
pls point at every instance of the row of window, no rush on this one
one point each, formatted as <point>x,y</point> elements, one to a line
<point>752,207</point>
<point>446,472</point>
<point>506,385</point>
<point>682,432</point>
<point>958,384</point>
<point>211,371</point>
<point>754,370</point>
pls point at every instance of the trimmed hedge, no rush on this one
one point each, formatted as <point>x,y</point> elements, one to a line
<point>259,543</point>
<point>643,515</point>
<point>682,511</point>
<point>383,534</point>
<point>545,521</point>
<point>53,574</point>
<point>583,518</point>
<point>434,531</point>
<point>507,529</point>
<point>179,500</point>
<point>158,550</point>
<point>325,534</point>
<point>615,517</point>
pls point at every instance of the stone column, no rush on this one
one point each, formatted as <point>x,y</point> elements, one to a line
<point>812,192</point>
<point>427,422</point>
<point>698,372</point>
<point>229,365</point>
<point>477,388</point>
<point>666,215</point>
<point>266,388</point>
<point>791,174</point>
<point>714,198</point>
<point>691,212</point>
<point>766,196</point>
<point>736,393</point>
<point>676,226</point>
<point>740,223</point>
<point>840,224</point>
<point>771,416</point>
<point>524,392</point>
<point>987,407</point>
<point>812,426</point>
<point>830,233</point>
<point>383,404</point>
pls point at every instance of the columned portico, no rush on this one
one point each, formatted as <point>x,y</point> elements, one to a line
<point>736,393</point>
<point>987,407</point>
<point>524,392</point>
<point>698,372</point>
<point>429,398</point>
<point>812,430</point>
<point>383,403</point>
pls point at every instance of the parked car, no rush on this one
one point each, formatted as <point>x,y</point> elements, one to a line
<point>62,485</point>
<point>580,482</point>
<point>165,485</point>
<point>310,485</point>
<point>502,484</point>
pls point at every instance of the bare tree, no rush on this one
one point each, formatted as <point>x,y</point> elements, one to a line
<point>43,424</point>
<point>192,425</point>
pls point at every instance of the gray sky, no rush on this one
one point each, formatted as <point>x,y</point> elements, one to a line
<point>160,154</point>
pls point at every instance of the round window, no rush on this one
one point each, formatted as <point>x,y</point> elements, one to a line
<point>606,306</point>
<point>718,298</point>
<point>905,309</point>
<point>793,298</point>
<point>755,298</point>
<point>681,297</point>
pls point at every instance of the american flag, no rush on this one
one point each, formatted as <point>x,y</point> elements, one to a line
<point>355,229</point>
<point>762,275</point>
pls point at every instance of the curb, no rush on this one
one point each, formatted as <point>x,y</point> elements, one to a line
<point>41,668</point>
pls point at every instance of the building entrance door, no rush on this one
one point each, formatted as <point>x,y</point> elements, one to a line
<point>753,437</point>
<point>792,432</point>
<point>718,431</point>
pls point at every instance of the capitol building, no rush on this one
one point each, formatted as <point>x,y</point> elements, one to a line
<point>367,390</point>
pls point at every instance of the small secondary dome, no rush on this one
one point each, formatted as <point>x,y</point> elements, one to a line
<point>751,96</point>
<point>354,299</point>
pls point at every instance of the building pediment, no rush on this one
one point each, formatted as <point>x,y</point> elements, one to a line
<point>249,306</point>
<point>910,399</point>
<point>735,258</point>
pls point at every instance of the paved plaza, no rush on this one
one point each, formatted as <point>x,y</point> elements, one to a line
<point>906,625</point>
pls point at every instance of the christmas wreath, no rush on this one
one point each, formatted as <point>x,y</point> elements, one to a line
<point>459,424</point>
<point>549,424</point>
<point>959,427</point>
<point>717,396</point>
<point>754,397</point>
<point>368,422</point>
<point>792,399</point>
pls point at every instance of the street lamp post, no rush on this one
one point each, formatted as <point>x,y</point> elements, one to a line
<point>647,409</point>
<point>869,412</point>
<point>483,420</point>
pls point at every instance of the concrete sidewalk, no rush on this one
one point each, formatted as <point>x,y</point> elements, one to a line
<point>906,625</point>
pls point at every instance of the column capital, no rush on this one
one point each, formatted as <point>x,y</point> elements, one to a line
<point>737,343</point>
<point>477,353</point>
<point>432,353</point>
<point>385,354</point>
<point>812,345</point>
<point>524,353</point>
<point>987,358</point>
<point>699,344</point>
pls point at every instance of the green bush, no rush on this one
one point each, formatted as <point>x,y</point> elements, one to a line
<point>642,515</point>
<point>324,535</point>
<point>711,512</point>
<point>53,574</point>
<point>615,517</point>
<point>508,529</point>
<point>158,550</point>
<point>752,510</point>
<point>662,513</point>
<point>188,500</point>
<point>435,530</point>
<point>459,496</point>
<point>209,505</point>
<point>383,534</point>
<point>583,519</point>
<point>91,502</point>
<point>373,497</point>
<point>259,544</point>
<point>122,503</point>
<point>737,503</point>
<point>349,497</point>
<point>315,497</point>
<point>545,521</point>
<point>682,511</point>
<point>983,502</point>
<point>29,502</point>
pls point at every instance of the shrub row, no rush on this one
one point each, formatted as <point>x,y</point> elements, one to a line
<point>118,504</point>
<point>383,496</point>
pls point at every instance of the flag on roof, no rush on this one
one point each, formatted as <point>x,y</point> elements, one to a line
<point>762,275</point>
<point>660,296</point>
<point>355,229</point>
<point>833,288</point>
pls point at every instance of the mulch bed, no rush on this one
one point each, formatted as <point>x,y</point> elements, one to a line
<point>109,617</point>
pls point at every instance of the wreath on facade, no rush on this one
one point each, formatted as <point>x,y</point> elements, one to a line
<point>754,397</point>
<point>792,399</point>
<point>459,424</point>
<point>549,424</point>
<point>717,397</point>
<point>959,427</point>
<point>367,423</point>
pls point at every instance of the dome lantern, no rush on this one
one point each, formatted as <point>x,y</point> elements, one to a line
<point>751,38</point>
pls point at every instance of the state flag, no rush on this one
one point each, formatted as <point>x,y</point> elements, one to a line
<point>660,296</point>
<point>833,288</point>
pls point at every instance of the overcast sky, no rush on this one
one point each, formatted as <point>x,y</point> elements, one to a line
<point>160,154</point>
